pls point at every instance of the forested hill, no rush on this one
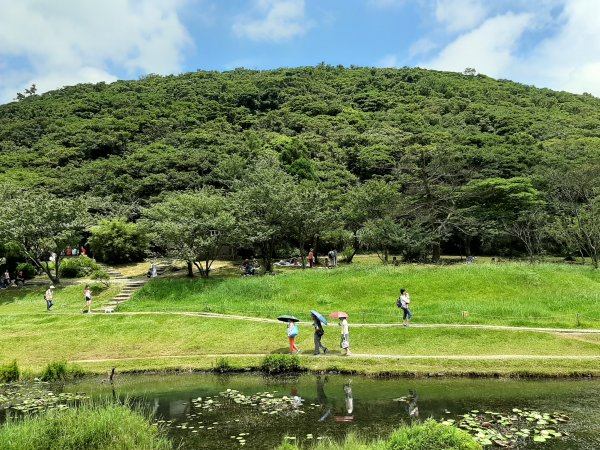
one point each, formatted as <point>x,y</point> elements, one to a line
<point>131,140</point>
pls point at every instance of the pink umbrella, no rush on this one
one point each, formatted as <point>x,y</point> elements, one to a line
<point>339,315</point>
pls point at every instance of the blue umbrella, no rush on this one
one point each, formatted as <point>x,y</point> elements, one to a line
<point>319,316</point>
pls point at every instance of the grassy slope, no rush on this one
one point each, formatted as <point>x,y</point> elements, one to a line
<point>34,337</point>
<point>36,340</point>
<point>516,294</point>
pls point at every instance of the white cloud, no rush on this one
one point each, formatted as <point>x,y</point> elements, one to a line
<point>72,41</point>
<point>272,20</point>
<point>488,48</point>
<point>568,58</point>
<point>459,15</point>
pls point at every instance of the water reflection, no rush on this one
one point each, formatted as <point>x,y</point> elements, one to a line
<point>322,397</point>
<point>338,404</point>
<point>413,407</point>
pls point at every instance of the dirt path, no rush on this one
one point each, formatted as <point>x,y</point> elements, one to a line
<point>367,325</point>
<point>358,355</point>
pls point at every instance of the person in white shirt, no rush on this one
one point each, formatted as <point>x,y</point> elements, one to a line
<point>345,342</point>
<point>405,306</point>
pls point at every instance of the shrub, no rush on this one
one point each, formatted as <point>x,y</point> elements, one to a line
<point>223,365</point>
<point>101,276</point>
<point>431,435</point>
<point>117,241</point>
<point>55,371</point>
<point>275,364</point>
<point>96,427</point>
<point>427,436</point>
<point>28,270</point>
<point>82,266</point>
<point>10,372</point>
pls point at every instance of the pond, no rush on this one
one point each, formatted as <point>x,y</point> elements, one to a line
<point>254,412</point>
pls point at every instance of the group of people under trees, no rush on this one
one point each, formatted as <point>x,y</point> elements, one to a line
<point>403,302</point>
<point>7,281</point>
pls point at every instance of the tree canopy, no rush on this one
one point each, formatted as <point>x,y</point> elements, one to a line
<point>465,154</point>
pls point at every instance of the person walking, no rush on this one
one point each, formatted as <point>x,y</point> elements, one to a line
<point>292,332</point>
<point>319,332</point>
<point>345,342</point>
<point>87,293</point>
<point>403,303</point>
<point>49,297</point>
<point>311,258</point>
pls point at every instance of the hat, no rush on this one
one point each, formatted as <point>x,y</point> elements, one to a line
<point>51,287</point>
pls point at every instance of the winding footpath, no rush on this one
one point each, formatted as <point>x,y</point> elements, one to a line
<point>364,325</point>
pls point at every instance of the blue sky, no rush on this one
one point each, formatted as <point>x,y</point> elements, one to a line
<point>547,43</point>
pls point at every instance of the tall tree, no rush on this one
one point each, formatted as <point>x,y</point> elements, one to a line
<point>577,222</point>
<point>41,225</point>
<point>309,216</point>
<point>192,226</point>
<point>432,177</point>
<point>262,206</point>
<point>372,200</point>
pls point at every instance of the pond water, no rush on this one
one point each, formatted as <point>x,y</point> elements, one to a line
<point>255,412</point>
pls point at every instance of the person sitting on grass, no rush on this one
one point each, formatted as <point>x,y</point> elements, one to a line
<point>6,279</point>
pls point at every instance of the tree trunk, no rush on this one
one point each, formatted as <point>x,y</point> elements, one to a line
<point>436,252</point>
<point>355,246</point>
<point>56,267</point>
<point>467,242</point>
<point>190,269</point>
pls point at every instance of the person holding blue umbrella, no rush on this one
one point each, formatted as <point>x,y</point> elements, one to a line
<point>318,321</point>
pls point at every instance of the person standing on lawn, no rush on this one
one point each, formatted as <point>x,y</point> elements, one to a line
<point>311,258</point>
<point>87,293</point>
<point>49,297</point>
<point>319,332</point>
<point>292,332</point>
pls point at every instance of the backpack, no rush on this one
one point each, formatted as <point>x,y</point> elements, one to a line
<point>399,302</point>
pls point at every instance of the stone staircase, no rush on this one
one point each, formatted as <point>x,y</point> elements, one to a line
<point>130,286</point>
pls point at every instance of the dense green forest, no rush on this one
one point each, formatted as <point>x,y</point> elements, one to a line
<point>400,161</point>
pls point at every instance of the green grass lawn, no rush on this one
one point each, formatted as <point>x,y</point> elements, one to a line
<point>35,340</point>
<point>510,294</point>
<point>516,294</point>
<point>67,299</point>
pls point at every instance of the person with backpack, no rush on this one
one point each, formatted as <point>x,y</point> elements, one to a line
<point>403,303</point>
<point>319,332</point>
<point>292,332</point>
